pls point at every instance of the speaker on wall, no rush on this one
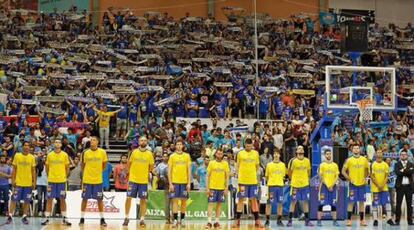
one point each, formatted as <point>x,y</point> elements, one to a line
<point>354,36</point>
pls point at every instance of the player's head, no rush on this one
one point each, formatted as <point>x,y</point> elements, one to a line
<point>219,154</point>
<point>179,146</point>
<point>403,155</point>
<point>248,144</point>
<point>124,158</point>
<point>379,155</point>
<point>26,146</point>
<point>276,155</point>
<point>388,160</point>
<point>300,151</point>
<point>328,155</point>
<point>94,142</point>
<point>58,144</point>
<point>143,142</point>
<point>355,149</point>
<point>206,160</point>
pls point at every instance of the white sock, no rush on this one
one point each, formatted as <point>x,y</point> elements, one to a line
<point>82,214</point>
<point>217,219</point>
<point>101,215</point>
<point>47,214</point>
<point>24,215</point>
<point>64,214</point>
<point>142,218</point>
<point>209,219</point>
<point>388,208</point>
<point>10,214</point>
<point>375,213</point>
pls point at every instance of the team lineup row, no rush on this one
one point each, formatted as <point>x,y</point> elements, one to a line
<point>141,163</point>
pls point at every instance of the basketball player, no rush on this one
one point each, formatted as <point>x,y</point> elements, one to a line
<point>23,181</point>
<point>217,182</point>
<point>275,174</point>
<point>57,169</point>
<point>93,164</point>
<point>140,164</point>
<point>248,166</point>
<point>328,173</point>
<point>299,171</point>
<point>356,170</point>
<point>379,188</point>
<point>179,177</point>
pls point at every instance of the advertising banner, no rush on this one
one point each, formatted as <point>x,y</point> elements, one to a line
<point>196,206</point>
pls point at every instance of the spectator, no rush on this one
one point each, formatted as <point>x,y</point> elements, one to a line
<point>121,174</point>
<point>41,183</point>
<point>202,173</point>
<point>106,175</point>
<point>161,172</point>
<point>75,175</point>
<point>104,118</point>
<point>5,175</point>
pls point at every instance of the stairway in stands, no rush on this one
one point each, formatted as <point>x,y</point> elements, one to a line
<point>116,149</point>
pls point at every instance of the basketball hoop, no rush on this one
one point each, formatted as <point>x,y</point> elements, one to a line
<point>365,108</point>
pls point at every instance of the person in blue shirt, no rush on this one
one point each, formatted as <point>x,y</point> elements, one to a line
<point>201,174</point>
<point>192,106</point>
<point>5,175</point>
<point>106,175</point>
<point>215,139</point>
<point>72,137</point>
<point>121,121</point>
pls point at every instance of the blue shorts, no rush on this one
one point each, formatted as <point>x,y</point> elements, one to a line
<point>180,192</point>
<point>56,190</point>
<point>356,193</point>
<point>216,196</point>
<point>22,194</point>
<point>327,197</point>
<point>275,194</point>
<point>92,191</point>
<point>248,191</point>
<point>299,194</point>
<point>140,190</point>
<point>380,198</point>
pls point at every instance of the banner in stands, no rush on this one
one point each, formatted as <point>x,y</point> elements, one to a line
<point>114,206</point>
<point>196,206</point>
<point>344,15</point>
<point>327,18</point>
<point>48,6</point>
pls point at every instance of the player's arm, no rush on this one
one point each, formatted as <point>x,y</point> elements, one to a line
<point>34,177</point>
<point>170,173</point>
<point>367,171</point>
<point>267,173</point>
<point>13,176</point>
<point>208,180</point>
<point>227,180</point>
<point>290,169</point>
<point>374,181</point>
<point>189,174</point>
<point>345,171</point>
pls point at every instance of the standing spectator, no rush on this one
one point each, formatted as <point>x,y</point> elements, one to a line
<point>106,175</point>
<point>391,183</point>
<point>12,129</point>
<point>5,175</point>
<point>41,184</point>
<point>8,146</point>
<point>121,121</point>
<point>201,173</point>
<point>104,119</point>
<point>75,175</point>
<point>121,174</point>
<point>404,187</point>
<point>266,157</point>
<point>161,172</point>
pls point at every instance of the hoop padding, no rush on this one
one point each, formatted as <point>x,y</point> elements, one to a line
<point>365,107</point>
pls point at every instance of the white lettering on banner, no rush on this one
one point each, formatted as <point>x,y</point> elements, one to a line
<point>114,203</point>
<point>189,214</point>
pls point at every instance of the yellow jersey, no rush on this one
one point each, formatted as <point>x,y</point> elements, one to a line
<point>329,172</point>
<point>94,162</point>
<point>379,172</point>
<point>248,163</point>
<point>275,172</point>
<point>23,165</point>
<point>357,167</point>
<point>104,118</point>
<point>57,163</point>
<point>219,172</point>
<point>300,172</point>
<point>180,164</point>
<point>140,163</point>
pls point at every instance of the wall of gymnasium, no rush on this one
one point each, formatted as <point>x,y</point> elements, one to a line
<point>398,12</point>
<point>178,8</point>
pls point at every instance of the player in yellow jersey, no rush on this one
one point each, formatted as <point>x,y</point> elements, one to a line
<point>23,181</point>
<point>140,164</point>
<point>57,169</point>
<point>179,177</point>
<point>275,174</point>
<point>247,168</point>
<point>379,188</point>
<point>356,170</point>
<point>217,182</point>
<point>299,171</point>
<point>328,192</point>
<point>93,164</point>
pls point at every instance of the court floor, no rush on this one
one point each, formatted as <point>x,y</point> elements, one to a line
<point>93,224</point>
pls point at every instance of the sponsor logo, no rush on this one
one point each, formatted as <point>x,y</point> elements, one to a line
<point>109,206</point>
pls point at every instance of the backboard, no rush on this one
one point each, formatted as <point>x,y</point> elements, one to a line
<point>346,85</point>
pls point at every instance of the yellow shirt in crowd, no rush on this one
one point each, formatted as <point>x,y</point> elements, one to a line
<point>104,118</point>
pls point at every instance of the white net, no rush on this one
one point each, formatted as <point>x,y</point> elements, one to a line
<point>365,108</point>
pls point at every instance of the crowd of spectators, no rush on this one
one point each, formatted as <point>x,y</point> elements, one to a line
<point>62,77</point>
